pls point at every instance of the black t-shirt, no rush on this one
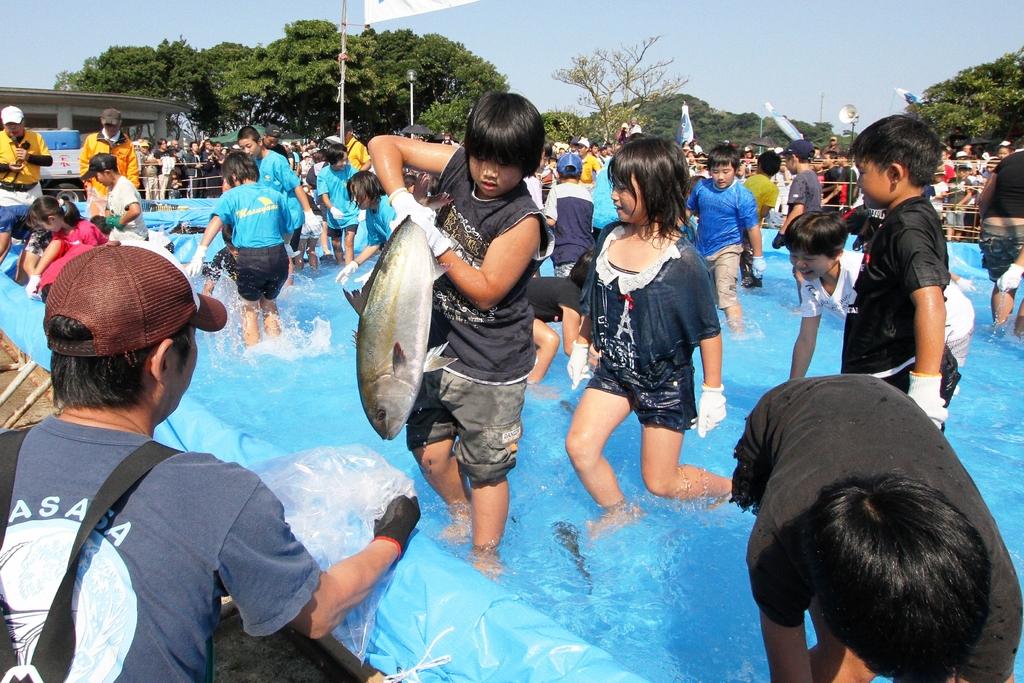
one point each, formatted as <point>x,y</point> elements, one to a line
<point>548,295</point>
<point>495,345</point>
<point>907,252</point>
<point>1008,199</point>
<point>809,433</point>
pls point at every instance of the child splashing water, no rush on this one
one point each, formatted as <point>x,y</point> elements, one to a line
<point>648,303</point>
<point>259,218</point>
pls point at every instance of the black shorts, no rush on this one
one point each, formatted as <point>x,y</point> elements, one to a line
<point>294,241</point>
<point>223,263</point>
<point>671,405</point>
<point>998,252</point>
<point>261,272</point>
<point>338,232</point>
<point>950,377</point>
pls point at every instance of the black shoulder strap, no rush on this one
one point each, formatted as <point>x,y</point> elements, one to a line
<point>10,445</point>
<point>56,646</point>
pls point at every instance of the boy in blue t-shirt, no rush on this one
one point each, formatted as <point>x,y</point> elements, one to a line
<point>260,225</point>
<point>570,211</point>
<point>366,191</point>
<point>725,210</point>
<point>341,212</point>
<point>273,171</point>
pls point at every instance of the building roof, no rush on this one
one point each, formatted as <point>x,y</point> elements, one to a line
<point>25,97</point>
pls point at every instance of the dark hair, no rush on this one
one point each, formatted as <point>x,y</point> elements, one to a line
<point>900,139</point>
<point>816,233</point>
<point>769,162</point>
<point>365,184</point>
<point>334,152</point>
<point>722,155</point>
<point>103,381</point>
<point>44,207</point>
<point>249,133</point>
<point>579,271</point>
<point>661,173</point>
<point>239,167</point>
<point>902,576</point>
<point>507,129</point>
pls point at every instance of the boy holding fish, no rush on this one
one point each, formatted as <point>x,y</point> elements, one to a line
<point>466,421</point>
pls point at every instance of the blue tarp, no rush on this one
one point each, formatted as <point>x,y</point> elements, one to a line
<point>493,634</point>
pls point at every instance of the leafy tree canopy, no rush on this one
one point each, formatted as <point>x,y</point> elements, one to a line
<point>984,100</point>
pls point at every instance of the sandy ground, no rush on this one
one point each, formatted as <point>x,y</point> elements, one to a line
<point>238,657</point>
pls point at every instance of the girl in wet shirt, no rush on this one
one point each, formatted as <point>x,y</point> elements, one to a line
<point>70,235</point>
<point>646,332</point>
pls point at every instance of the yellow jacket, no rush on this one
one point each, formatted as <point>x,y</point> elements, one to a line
<point>123,149</point>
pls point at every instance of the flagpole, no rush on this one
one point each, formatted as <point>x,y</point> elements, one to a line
<point>342,58</point>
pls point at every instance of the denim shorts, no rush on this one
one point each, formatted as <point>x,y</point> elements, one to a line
<point>486,418</point>
<point>671,405</point>
<point>262,272</point>
<point>998,252</point>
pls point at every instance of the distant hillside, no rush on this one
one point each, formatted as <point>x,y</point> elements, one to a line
<point>712,126</point>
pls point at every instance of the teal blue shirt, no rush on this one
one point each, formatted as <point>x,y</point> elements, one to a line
<point>334,184</point>
<point>378,223</point>
<point>276,173</point>
<point>257,214</point>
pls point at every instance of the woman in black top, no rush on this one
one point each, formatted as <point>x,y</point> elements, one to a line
<point>1002,236</point>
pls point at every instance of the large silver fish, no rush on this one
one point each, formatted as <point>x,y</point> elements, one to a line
<point>394,323</point>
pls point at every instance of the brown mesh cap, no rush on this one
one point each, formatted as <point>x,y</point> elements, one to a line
<point>129,298</point>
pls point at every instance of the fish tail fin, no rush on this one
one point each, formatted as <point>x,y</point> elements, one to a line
<point>434,359</point>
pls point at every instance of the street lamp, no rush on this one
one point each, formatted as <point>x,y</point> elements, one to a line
<point>411,75</point>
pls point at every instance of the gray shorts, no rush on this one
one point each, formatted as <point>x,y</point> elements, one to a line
<point>486,418</point>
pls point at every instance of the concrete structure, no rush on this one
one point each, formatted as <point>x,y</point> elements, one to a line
<point>142,116</point>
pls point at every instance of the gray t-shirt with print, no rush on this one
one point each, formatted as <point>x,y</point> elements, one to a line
<point>154,571</point>
<point>805,190</point>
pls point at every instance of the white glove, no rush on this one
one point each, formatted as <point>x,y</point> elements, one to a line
<point>406,206</point>
<point>313,223</point>
<point>710,409</point>
<point>32,288</point>
<point>1010,279</point>
<point>759,267</point>
<point>336,214</point>
<point>289,251</point>
<point>195,266</point>
<point>966,285</point>
<point>924,389</point>
<point>579,363</point>
<point>346,273</point>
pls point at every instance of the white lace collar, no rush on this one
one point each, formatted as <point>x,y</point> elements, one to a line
<point>629,282</point>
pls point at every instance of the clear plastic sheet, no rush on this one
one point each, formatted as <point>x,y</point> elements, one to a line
<point>331,497</point>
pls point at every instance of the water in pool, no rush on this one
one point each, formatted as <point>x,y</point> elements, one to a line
<point>668,596</point>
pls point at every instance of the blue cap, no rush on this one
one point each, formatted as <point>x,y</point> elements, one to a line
<point>801,149</point>
<point>570,164</point>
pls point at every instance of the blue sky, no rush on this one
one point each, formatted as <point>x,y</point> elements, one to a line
<point>737,54</point>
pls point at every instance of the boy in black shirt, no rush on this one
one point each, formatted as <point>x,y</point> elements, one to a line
<point>895,329</point>
<point>873,525</point>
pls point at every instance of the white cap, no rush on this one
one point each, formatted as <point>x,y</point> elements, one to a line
<point>12,115</point>
<point>1005,143</point>
<point>584,142</point>
<point>697,149</point>
<point>961,155</point>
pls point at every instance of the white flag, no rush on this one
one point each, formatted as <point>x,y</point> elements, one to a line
<point>685,133</point>
<point>783,123</point>
<point>382,10</point>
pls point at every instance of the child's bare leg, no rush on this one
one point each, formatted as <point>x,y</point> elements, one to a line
<point>314,260</point>
<point>734,317</point>
<point>547,342</point>
<point>442,473</point>
<point>1018,326</point>
<point>250,322</point>
<point>339,252</point>
<point>666,478</point>
<point>271,318</point>
<point>1002,305</point>
<point>208,286</point>
<point>489,505</point>
<point>596,417</point>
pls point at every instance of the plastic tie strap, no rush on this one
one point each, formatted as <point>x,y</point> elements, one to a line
<point>413,674</point>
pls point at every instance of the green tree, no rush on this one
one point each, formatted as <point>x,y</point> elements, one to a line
<point>984,100</point>
<point>562,126</point>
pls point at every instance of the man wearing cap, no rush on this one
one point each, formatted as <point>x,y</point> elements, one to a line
<point>179,535</point>
<point>22,153</point>
<point>110,140</point>
<point>805,191</point>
